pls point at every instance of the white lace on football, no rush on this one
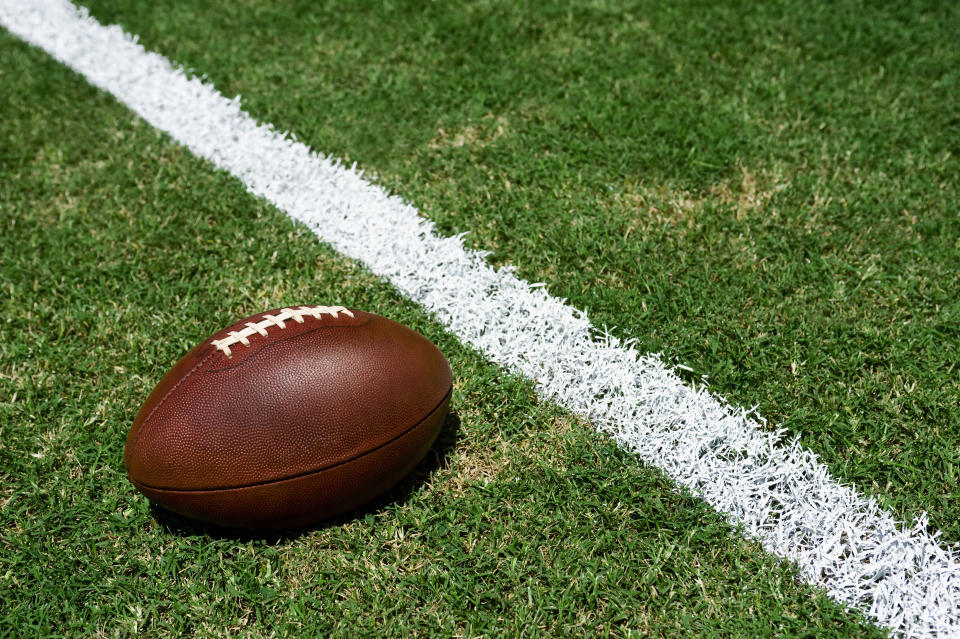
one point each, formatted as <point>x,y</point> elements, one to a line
<point>278,320</point>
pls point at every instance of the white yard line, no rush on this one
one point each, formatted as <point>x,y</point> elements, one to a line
<point>898,575</point>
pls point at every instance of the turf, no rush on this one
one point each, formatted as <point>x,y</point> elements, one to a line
<point>119,252</point>
<point>763,192</point>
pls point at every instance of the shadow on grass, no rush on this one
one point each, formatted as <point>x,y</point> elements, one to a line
<point>436,458</point>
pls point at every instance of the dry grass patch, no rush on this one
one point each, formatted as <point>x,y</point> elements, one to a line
<point>753,193</point>
<point>653,208</point>
<point>474,136</point>
<point>509,458</point>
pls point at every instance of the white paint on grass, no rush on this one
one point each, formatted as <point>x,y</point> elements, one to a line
<point>898,575</point>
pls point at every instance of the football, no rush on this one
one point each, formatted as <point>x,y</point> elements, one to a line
<point>289,417</point>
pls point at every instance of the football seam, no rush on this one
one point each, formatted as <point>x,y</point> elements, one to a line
<point>254,354</point>
<point>146,420</point>
<point>269,320</point>
<point>213,354</point>
<point>406,432</point>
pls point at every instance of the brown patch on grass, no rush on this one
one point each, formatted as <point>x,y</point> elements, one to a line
<point>656,207</point>
<point>504,459</point>
<point>754,191</point>
<point>677,213</point>
<point>479,135</point>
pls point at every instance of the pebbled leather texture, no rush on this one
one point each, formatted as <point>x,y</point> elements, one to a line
<point>302,425</point>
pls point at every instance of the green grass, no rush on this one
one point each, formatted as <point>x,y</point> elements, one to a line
<point>119,252</point>
<point>764,192</point>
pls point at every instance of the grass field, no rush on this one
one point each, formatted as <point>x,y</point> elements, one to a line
<point>766,194</point>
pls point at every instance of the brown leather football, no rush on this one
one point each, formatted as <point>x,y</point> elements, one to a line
<point>289,417</point>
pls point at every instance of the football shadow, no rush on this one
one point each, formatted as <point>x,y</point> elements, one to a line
<point>435,459</point>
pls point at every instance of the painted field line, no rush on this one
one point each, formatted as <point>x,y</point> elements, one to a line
<point>780,493</point>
